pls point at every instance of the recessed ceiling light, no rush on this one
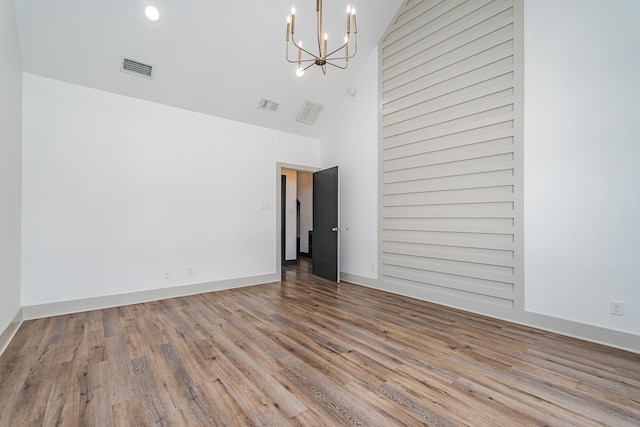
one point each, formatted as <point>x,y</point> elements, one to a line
<point>152,13</point>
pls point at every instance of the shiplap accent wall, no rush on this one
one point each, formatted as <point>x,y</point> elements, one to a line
<point>450,153</point>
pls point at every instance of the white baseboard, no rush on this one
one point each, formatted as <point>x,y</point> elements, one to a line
<point>609,337</point>
<point>361,280</point>
<point>10,331</point>
<point>75,306</point>
<point>596,334</point>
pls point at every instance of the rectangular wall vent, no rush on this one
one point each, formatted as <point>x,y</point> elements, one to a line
<point>268,105</point>
<point>309,112</point>
<point>135,67</point>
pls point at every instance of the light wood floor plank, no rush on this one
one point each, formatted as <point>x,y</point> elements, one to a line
<point>308,352</point>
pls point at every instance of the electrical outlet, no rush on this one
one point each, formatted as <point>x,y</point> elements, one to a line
<point>616,307</point>
<point>167,274</point>
<point>189,271</point>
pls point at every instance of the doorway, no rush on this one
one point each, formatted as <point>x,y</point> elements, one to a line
<point>290,213</point>
<point>296,215</point>
<point>291,225</point>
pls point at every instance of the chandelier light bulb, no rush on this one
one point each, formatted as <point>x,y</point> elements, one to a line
<point>299,72</point>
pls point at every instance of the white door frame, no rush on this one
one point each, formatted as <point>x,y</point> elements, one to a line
<point>279,167</point>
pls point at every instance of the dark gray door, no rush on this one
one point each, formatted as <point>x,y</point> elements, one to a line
<point>326,236</point>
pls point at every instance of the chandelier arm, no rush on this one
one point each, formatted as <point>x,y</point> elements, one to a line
<point>338,49</point>
<point>313,61</point>
<point>342,47</point>
<point>304,50</point>
<point>296,61</point>
<point>287,55</point>
<point>286,52</point>
<point>339,58</point>
<point>337,66</point>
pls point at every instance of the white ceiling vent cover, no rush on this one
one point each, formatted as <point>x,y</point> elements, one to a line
<point>268,105</point>
<point>309,112</point>
<point>138,68</point>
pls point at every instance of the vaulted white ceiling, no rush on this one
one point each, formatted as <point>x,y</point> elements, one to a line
<point>214,57</point>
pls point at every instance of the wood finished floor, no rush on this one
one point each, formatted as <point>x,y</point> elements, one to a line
<point>307,352</point>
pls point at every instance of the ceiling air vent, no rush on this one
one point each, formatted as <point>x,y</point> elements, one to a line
<point>268,105</point>
<point>309,112</point>
<point>135,67</point>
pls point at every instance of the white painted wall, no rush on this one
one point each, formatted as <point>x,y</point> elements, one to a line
<point>290,253</point>
<point>116,190</point>
<point>10,164</point>
<point>582,147</point>
<point>305,195</point>
<point>352,143</point>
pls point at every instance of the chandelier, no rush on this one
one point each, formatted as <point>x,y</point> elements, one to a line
<point>338,58</point>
